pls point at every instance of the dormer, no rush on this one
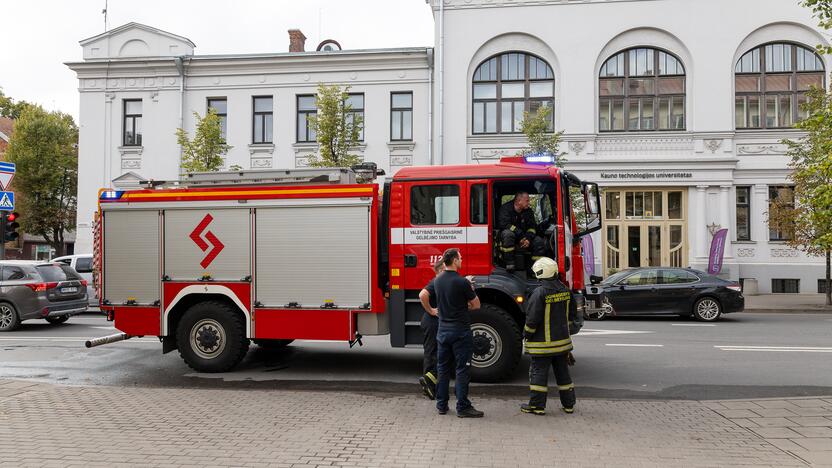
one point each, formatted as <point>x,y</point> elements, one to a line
<point>134,40</point>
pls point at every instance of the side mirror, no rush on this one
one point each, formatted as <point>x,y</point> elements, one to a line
<point>593,279</point>
<point>592,209</point>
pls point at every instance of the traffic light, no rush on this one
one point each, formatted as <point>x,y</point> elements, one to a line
<point>10,226</point>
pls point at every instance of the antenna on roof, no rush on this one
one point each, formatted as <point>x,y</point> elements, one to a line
<point>104,12</point>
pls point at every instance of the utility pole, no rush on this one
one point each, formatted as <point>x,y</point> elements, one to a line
<point>104,12</point>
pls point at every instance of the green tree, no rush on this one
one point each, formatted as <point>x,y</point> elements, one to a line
<point>538,131</point>
<point>44,148</point>
<point>337,129</point>
<point>9,108</point>
<point>204,152</point>
<point>822,9</point>
<point>807,215</point>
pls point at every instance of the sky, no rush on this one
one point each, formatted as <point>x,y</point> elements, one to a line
<point>40,35</point>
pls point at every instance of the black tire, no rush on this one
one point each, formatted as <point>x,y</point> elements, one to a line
<point>9,320</point>
<point>707,309</point>
<point>273,344</point>
<point>212,337</point>
<point>498,344</point>
<point>57,320</point>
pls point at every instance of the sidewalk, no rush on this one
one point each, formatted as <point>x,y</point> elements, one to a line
<point>49,425</point>
<point>811,303</point>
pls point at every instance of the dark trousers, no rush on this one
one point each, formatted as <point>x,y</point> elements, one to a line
<point>539,380</point>
<point>429,325</point>
<point>510,243</point>
<point>455,344</point>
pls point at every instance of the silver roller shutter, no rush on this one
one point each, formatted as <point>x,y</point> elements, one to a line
<point>131,256</point>
<point>184,258</point>
<point>313,254</point>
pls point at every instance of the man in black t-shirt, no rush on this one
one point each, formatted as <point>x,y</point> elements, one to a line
<point>429,326</point>
<point>456,298</point>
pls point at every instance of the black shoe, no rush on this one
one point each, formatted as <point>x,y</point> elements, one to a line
<point>510,267</point>
<point>427,388</point>
<point>442,410</point>
<point>529,409</point>
<point>470,412</point>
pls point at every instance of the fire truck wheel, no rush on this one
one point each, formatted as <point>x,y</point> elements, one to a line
<point>273,344</point>
<point>497,344</point>
<point>211,337</point>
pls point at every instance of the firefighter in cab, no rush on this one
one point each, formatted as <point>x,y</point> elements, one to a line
<point>550,311</point>
<point>518,231</point>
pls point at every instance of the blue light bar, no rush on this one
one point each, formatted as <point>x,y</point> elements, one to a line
<point>540,158</point>
<point>112,194</point>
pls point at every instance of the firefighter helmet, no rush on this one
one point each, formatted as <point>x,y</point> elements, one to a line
<point>545,268</point>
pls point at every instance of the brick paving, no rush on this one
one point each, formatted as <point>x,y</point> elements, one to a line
<point>53,425</point>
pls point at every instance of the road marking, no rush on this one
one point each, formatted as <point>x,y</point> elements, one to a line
<point>782,349</point>
<point>597,332</point>
<point>635,345</point>
<point>693,324</point>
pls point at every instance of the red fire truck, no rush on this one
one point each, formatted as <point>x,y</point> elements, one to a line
<point>217,260</point>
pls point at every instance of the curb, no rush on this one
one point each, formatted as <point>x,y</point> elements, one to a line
<point>788,311</point>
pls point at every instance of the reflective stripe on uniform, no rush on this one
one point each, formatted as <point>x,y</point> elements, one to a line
<point>512,228</point>
<point>548,344</point>
<point>532,230</point>
<point>507,249</point>
<point>536,257</point>
<point>551,350</point>
<point>431,377</point>
<point>530,330</point>
<point>566,387</point>
<point>539,388</point>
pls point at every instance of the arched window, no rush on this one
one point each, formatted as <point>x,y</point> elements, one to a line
<point>507,85</point>
<point>641,89</point>
<point>771,83</point>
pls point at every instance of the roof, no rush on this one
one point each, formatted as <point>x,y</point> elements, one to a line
<point>6,128</point>
<point>132,25</point>
<point>509,167</point>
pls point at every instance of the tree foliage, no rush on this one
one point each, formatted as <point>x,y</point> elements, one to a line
<point>204,152</point>
<point>9,108</point>
<point>822,9</point>
<point>807,216</point>
<point>542,140</point>
<point>337,129</point>
<point>44,148</point>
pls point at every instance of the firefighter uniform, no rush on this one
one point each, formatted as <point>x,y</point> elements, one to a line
<point>550,311</point>
<point>513,228</point>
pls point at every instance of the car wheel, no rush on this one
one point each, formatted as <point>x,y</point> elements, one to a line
<point>707,309</point>
<point>211,337</point>
<point>8,317</point>
<point>273,344</point>
<point>497,344</point>
<point>57,320</point>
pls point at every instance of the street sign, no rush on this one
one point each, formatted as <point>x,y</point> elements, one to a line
<point>7,170</point>
<point>7,201</point>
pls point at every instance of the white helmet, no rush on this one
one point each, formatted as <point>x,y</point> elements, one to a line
<point>545,268</point>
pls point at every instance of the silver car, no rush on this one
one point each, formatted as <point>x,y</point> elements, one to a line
<point>37,290</point>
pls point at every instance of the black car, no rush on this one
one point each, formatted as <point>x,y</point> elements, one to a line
<point>665,290</point>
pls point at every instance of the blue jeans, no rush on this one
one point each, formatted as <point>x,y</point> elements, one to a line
<point>455,344</point>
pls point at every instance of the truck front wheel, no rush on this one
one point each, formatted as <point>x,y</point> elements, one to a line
<point>211,337</point>
<point>497,344</point>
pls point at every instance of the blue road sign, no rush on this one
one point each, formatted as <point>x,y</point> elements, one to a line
<point>7,201</point>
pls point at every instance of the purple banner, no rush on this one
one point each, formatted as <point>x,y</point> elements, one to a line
<point>717,251</point>
<point>589,255</point>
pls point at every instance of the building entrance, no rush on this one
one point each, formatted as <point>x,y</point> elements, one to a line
<point>644,227</point>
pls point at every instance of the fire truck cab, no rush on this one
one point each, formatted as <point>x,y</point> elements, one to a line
<point>214,261</point>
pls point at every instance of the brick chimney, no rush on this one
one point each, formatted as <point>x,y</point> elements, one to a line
<point>297,41</point>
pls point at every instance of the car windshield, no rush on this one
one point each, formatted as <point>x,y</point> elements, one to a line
<point>53,273</point>
<point>615,277</point>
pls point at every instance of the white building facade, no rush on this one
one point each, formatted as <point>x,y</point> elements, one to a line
<point>676,108</point>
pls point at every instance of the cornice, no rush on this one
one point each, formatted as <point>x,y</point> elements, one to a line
<point>474,4</point>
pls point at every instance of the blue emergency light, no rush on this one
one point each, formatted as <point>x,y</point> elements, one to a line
<point>112,194</point>
<point>537,158</point>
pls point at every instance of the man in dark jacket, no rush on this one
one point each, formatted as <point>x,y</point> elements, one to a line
<point>429,325</point>
<point>518,230</point>
<point>549,312</point>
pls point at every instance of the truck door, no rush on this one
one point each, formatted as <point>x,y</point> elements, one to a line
<point>434,222</point>
<point>565,218</point>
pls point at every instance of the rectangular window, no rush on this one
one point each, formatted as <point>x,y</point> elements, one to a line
<point>613,205</point>
<point>307,107</point>
<point>743,213</point>
<point>785,286</point>
<point>262,124</point>
<point>401,116</point>
<point>356,114</point>
<point>822,286</point>
<point>132,135</point>
<point>740,112</point>
<point>434,204</point>
<point>674,205</point>
<point>479,204</point>
<point>783,194</point>
<point>220,106</point>
<point>611,114</point>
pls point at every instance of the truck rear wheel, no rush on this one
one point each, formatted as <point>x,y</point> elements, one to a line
<point>211,337</point>
<point>497,344</point>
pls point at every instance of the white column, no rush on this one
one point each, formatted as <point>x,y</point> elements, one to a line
<point>759,208</point>
<point>724,214</point>
<point>699,222</point>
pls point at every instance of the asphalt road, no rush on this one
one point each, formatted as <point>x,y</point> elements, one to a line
<point>745,355</point>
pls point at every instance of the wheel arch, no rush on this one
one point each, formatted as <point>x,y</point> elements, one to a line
<point>504,300</point>
<point>191,295</point>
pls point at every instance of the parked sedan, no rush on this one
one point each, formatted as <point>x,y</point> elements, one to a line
<point>663,290</point>
<point>37,290</point>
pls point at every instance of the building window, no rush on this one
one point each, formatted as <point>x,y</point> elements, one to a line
<point>507,85</point>
<point>356,103</point>
<point>822,286</point>
<point>262,120</point>
<point>434,204</point>
<point>785,286</point>
<point>641,89</point>
<point>401,116</point>
<point>220,106</point>
<point>132,122</point>
<point>771,83</point>
<point>307,107</point>
<point>743,213</point>
<point>479,204</point>
<point>780,194</point>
